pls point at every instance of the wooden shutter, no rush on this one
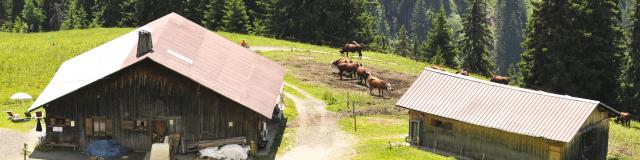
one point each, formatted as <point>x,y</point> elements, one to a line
<point>108,127</point>
<point>52,121</point>
<point>88,126</point>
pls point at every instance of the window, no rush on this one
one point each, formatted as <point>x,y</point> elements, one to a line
<point>58,121</point>
<point>99,127</point>
<point>440,124</point>
<point>141,125</point>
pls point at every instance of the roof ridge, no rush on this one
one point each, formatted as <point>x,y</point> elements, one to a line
<point>539,92</point>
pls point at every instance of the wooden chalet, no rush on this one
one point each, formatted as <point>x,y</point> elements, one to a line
<point>468,118</point>
<point>169,76</point>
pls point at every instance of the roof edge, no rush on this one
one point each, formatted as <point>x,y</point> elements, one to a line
<point>539,92</point>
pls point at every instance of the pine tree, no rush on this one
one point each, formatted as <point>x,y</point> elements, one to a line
<point>380,25</point>
<point>213,14</point>
<point>3,12</point>
<point>440,42</point>
<point>194,10</point>
<point>630,86</point>
<point>33,15</point>
<point>74,18</point>
<point>511,21</point>
<point>111,12</point>
<point>403,43</point>
<point>574,48</point>
<point>235,17</point>
<point>56,18</point>
<point>16,8</point>
<point>420,21</point>
<point>127,13</point>
<point>477,39</point>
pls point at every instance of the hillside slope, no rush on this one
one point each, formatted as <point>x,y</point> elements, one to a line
<point>28,62</point>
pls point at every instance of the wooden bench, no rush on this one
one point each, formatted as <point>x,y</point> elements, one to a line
<point>69,145</point>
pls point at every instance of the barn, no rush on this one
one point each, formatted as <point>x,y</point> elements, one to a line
<point>170,76</point>
<point>469,118</point>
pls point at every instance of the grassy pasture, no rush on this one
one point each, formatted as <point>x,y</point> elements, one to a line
<point>28,62</point>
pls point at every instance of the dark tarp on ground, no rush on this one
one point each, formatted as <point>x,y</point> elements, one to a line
<point>105,148</point>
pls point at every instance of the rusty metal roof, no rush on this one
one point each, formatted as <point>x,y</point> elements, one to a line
<point>187,48</point>
<point>493,105</point>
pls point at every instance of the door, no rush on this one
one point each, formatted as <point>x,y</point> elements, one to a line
<point>158,130</point>
<point>414,132</point>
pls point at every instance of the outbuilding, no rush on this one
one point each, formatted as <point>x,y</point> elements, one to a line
<point>169,76</point>
<point>466,117</point>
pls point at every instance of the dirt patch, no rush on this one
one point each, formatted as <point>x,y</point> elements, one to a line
<point>326,74</point>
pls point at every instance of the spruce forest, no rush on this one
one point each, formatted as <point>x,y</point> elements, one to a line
<point>583,48</point>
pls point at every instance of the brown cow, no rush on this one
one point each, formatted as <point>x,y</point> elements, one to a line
<point>347,67</point>
<point>375,82</point>
<point>360,74</point>
<point>624,119</point>
<point>462,72</point>
<point>500,79</point>
<point>353,46</point>
<point>341,60</point>
<point>436,67</point>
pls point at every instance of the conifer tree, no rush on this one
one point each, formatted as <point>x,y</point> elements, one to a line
<point>440,42</point>
<point>235,17</point>
<point>19,26</point>
<point>630,86</point>
<point>75,17</point>
<point>213,14</point>
<point>476,39</point>
<point>420,22</point>
<point>3,11</point>
<point>56,18</point>
<point>511,21</point>
<point>33,15</point>
<point>575,48</point>
<point>403,43</point>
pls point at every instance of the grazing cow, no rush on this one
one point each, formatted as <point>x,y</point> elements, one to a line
<point>375,82</point>
<point>436,67</point>
<point>244,44</point>
<point>624,119</point>
<point>347,67</point>
<point>360,74</point>
<point>352,47</point>
<point>462,72</point>
<point>341,60</point>
<point>500,79</point>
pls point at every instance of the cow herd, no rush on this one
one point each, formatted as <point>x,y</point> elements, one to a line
<point>353,70</point>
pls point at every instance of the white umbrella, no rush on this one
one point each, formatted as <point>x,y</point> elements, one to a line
<point>21,96</point>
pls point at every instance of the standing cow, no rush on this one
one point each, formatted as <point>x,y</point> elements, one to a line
<point>624,119</point>
<point>380,84</point>
<point>347,67</point>
<point>352,47</point>
<point>500,79</point>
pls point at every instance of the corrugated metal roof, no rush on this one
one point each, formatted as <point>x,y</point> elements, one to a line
<point>493,105</point>
<point>187,48</point>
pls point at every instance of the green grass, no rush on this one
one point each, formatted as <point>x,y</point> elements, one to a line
<point>290,111</point>
<point>624,143</point>
<point>28,62</point>
<point>289,134</point>
<point>375,133</point>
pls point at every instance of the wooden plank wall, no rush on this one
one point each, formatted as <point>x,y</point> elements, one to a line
<point>595,131</point>
<point>145,91</point>
<point>485,143</point>
<point>479,142</point>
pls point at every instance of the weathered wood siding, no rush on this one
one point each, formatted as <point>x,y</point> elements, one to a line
<point>477,142</point>
<point>146,91</point>
<point>591,141</point>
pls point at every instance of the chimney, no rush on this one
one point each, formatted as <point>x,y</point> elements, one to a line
<point>144,43</point>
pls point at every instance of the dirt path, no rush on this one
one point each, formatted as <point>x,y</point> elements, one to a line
<point>13,142</point>
<point>318,135</point>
